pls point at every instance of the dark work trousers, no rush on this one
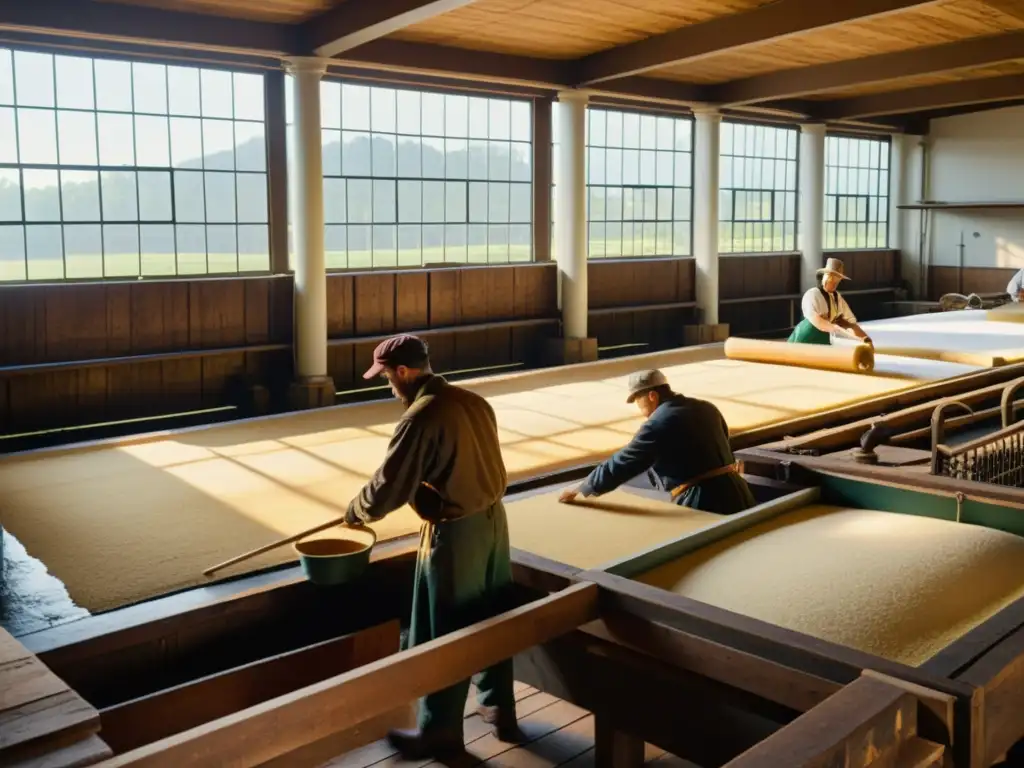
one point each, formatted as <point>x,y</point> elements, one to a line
<point>463,575</point>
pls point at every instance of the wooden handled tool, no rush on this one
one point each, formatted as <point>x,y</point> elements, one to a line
<point>275,545</point>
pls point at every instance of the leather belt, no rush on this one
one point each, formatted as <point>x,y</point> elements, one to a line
<point>727,469</point>
<point>430,506</point>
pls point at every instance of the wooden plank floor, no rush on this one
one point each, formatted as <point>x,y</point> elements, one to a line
<point>558,734</point>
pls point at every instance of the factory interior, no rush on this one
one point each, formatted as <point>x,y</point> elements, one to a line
<point>804,216</point>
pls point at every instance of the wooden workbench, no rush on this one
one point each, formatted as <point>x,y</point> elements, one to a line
<point>43,721</point>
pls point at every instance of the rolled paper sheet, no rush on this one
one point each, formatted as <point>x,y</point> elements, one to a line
<point>980,359</point>
<point>848,359</point>
<point>1008,313</point>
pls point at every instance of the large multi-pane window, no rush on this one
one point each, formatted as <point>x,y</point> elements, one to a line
<point>639,183</point>
<point>414,177</point>
<point>113,168</point>
<point>639,170</point>
<point>757,210</point>
<point>856,192</point>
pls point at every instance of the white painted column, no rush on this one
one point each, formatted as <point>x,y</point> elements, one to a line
<point>906,182</point>
<point>571,212</point>
<point>899,192</point>
<point>306,186</point>
<point>706,141</point>
<point>811,226</point>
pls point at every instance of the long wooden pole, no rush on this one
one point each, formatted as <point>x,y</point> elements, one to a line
<point>275,545</point>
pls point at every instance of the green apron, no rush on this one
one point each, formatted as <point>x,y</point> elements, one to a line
<point>463,575</point>
<point>806,333</point>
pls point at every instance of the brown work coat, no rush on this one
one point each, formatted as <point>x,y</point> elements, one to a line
<point>445,445</point>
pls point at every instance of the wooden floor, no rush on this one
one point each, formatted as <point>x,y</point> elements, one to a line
<point>558,734</point>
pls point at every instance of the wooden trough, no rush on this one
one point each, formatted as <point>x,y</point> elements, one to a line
<point>178,687</point>
<point>238,673</point>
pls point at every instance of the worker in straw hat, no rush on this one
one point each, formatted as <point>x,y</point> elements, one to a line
<point>444,460</point>
<point>683,447</point>
<point>826,311</point>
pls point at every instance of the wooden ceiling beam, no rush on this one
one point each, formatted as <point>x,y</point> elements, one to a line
<point>924,98</point>
<point>458,63</point>
<point>153,26</point>
<point>355,22</point>
<point>775,21</point>
<point>970,109</point>
<point>974,52</point>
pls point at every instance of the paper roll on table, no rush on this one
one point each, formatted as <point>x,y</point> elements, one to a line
<point>1007,313</point>
<point>848,359</point>
<point>979,359</point>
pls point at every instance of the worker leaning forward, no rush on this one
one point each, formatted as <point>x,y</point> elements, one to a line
<point>444,460</point>
<point>826,311</point>
<point>683,447</point>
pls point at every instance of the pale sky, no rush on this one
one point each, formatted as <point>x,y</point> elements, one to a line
<point>169,103</point>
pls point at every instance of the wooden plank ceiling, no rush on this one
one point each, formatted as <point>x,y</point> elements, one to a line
<point>875,62</point>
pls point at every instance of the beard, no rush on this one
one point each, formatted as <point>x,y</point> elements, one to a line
<point>405,390</point>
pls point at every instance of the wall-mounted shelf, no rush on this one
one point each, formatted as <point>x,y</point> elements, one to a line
<point>961,206</point>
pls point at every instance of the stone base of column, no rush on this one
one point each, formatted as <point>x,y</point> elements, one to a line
<point>312,392</point>
<point>704,334</point>
<point>568,351</point>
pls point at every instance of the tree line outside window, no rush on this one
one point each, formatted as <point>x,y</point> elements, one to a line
<point>639,179</point>
<point>856,192</point>
<point>112,168</point>
<point>417,178</point>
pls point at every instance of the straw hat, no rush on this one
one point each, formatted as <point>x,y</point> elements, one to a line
<point>833,267</point>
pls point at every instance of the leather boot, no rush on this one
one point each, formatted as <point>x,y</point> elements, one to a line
<point>414,744</point>
<point>506,728</point>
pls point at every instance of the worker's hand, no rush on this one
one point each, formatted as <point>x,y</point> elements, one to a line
<point>569,494</point>
<point>867,340</point>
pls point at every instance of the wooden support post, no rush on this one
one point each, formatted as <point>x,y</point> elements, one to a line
<point>867,721</point>
<point>277,169</point>
<point>614,748</point>
<point>542,176</point>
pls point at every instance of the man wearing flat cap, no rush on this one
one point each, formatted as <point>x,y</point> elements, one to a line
<point>683,447</point>
<point>444,460</point>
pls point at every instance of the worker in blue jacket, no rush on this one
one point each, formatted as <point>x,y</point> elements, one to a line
<point>683,447</point>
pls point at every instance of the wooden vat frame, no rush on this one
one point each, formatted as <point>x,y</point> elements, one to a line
<point>820,671</point>
<point>983,670</point>
<point>354,707</point>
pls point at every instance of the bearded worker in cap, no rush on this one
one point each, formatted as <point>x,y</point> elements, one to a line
<point>444,460</point>
<point>683,447</point>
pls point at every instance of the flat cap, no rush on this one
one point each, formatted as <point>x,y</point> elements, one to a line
<point>404,349</point>
<point>641,381</point>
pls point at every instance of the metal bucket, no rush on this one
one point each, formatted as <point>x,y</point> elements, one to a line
<point>336,560</point>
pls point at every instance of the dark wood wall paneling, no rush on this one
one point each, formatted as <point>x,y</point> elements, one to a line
<point>640,301</point>
<point>164,326</point>
<point>874,277</point>
<point>870,269</point>
<point>760,293</point>
<point>111,351</point>
<point>756,291</point>
<point>943,280</point>
<point>185,345</point>
<point>471,317</point>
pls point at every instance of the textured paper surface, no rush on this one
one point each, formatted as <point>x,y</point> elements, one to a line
<point>942,335</point>
<point>596,531</point>
<point>899,586</point>
<point>145,516</point>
